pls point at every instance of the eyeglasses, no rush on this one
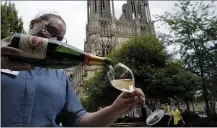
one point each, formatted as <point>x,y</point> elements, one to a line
<point>51,31</point>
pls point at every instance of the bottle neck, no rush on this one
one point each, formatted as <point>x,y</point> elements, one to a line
<point>94,60</point>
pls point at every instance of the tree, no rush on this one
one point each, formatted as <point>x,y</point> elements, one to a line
<point>99,92</point>
<point>189,83</point>
<point>173,81</point>
<point>140,54</point>
<point>193,27</point>
<point>10,22</point>
<point>159,77</point>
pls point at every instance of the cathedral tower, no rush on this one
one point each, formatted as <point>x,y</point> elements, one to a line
<point>105,33</point>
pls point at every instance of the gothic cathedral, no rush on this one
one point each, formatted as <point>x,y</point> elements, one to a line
<point>105,33</point>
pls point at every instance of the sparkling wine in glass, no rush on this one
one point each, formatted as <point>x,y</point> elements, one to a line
<point>122,78</point>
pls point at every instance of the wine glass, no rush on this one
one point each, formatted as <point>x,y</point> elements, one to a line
<point>122,78</point>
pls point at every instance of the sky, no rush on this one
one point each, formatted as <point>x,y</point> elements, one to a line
<point>75,15</point>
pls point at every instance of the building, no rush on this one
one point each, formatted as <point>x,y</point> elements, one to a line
<point>105,33</point>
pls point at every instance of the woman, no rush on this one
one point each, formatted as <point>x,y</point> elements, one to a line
<point>44,97</point>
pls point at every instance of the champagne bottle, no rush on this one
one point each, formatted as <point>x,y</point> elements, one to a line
<point>46,53</point>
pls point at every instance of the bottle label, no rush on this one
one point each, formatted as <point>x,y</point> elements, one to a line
<point>33,46</point>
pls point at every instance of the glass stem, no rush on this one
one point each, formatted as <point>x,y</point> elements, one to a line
<point>146,107</point>
<point>149,110</point>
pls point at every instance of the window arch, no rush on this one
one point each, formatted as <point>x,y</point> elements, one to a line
<point>108,48</point>
<point>103,49</point>
<point>71,75</point>
<point>142,30</point>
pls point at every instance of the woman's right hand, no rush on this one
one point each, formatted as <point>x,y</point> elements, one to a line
<point>9,64</point>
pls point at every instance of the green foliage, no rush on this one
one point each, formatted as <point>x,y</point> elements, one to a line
<point>173,81</point>
<point>150,49</point>
<point>99,92</point>
<point>10,22</point>
<point>157,76</point>
<point>140,54</point>
<point>193,27</point>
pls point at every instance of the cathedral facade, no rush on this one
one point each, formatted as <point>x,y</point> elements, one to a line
<point>105,33</point>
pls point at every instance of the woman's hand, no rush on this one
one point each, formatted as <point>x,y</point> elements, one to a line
<point>9,64</point>
<point>126,102</point>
